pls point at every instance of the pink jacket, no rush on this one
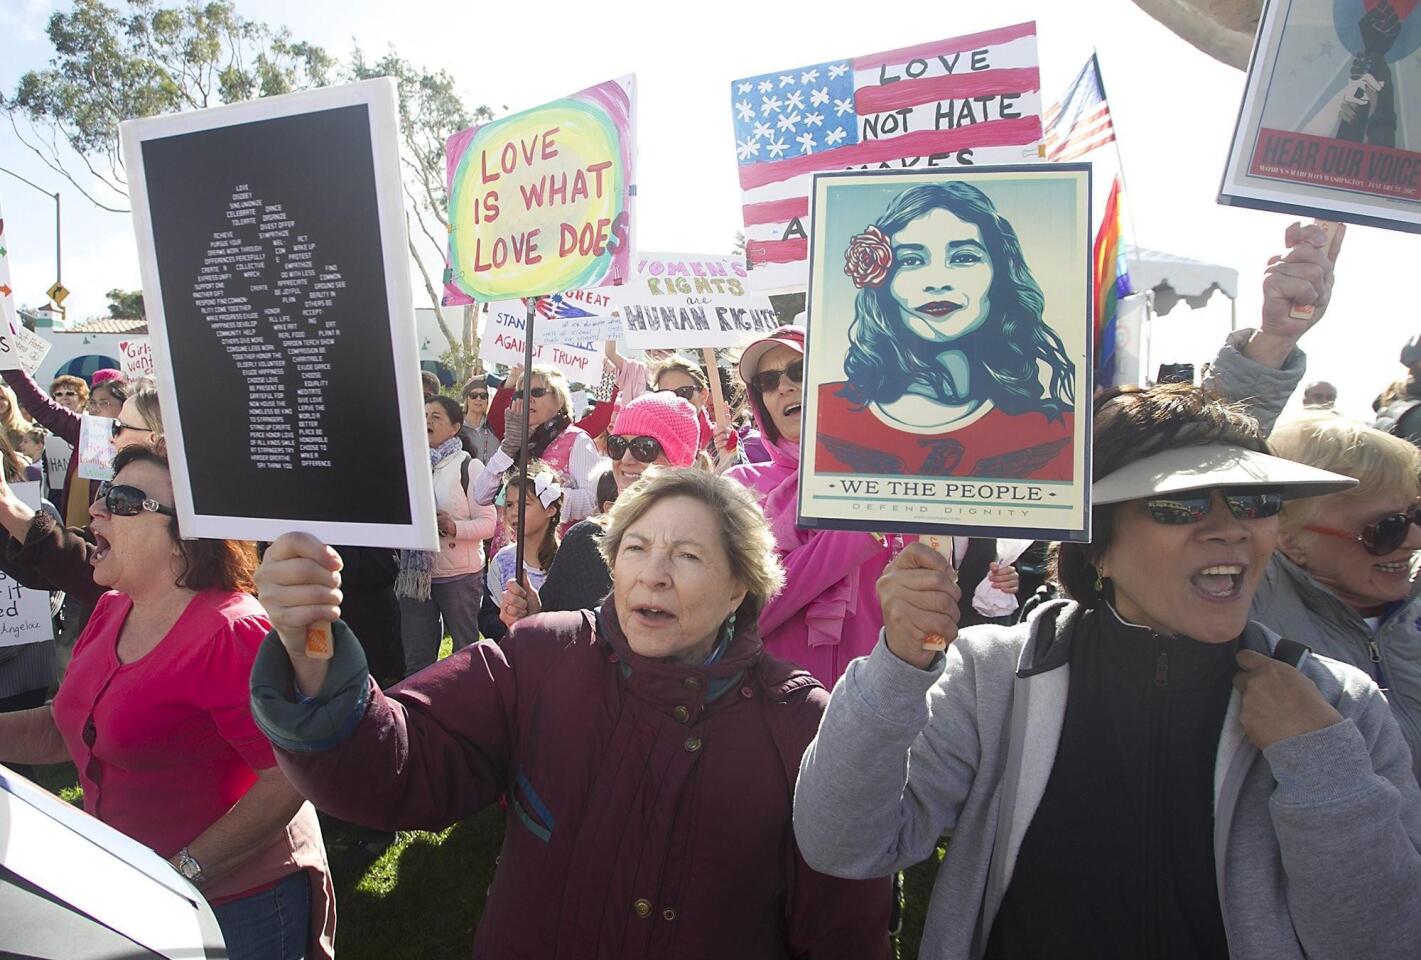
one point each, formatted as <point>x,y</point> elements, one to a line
<point>828,612</point>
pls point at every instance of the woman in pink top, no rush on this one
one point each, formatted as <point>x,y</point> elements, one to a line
<point>153,711</point>
<point>828,612</point>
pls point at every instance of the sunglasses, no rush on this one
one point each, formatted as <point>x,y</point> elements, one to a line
<point>121,500</point>
<point>686,393</point>
<point>476,395</point>
<point>645,449</point>
<point>1248,503</point>
<point>766,381</point>
<point>537,393</point>
<point>1380,537</point>
<point>119,426</point>
<point>64,393</point>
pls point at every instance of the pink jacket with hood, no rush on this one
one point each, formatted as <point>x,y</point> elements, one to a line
<point>828,612</point>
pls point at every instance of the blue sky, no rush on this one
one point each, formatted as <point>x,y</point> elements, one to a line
<point>1174,112</point>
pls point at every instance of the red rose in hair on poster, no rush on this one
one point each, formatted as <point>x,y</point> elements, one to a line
<point>868,258</point>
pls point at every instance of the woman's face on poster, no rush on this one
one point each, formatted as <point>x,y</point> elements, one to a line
<point>942,275</point>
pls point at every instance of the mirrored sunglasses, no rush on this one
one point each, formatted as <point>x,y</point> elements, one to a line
<point>766,381</point>
<point>122,500</point>
<point>645,449</point>
<point>1380,537</point>
<point>1248,503</point>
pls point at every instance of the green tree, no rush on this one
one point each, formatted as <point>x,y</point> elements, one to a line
<point>431,111</point>
<point>125,304</point>
<point>114,63</point>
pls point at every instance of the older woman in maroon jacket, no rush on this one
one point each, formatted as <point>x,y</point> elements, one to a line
<point>648,750</point>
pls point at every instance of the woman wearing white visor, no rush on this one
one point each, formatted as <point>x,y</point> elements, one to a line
<point>1139,771</point>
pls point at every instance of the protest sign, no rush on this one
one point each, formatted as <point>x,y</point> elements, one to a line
<point>930,406</point>
<point>541,201</point>
<point>7,299</point>
<point>24,613</point>
<point>967,100</point>
<point>22,349</point>
<point>57,453</point>
<point>576,316</point>
<point>275,264</point>
<point>679,300</point>
<point>1328,127</point>
<point>502,342</point>
<point>96,448</point>
<point>135,358</point>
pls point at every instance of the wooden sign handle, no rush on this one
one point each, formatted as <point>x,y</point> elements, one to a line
<point>717,395</point>
<point>942,543</point>
<point>320,645</point>
<point>1306,311</point>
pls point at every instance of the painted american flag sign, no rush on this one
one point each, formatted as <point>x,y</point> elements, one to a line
<point>969,100</point>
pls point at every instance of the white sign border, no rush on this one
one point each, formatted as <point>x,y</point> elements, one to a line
<point>379,96</point>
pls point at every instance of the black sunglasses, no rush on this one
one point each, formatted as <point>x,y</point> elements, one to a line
<point>119,426</point>
<point>534,392</point>
<point>685,393</point>
<point>1246,503</point>
<point>767,381</point>
<point>1379,537</point>
<point>476,395</point>
<point>121,500</point>
<point>645,449</point>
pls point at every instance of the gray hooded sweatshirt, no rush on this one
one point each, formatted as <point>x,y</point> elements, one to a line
<point>1317,839</point>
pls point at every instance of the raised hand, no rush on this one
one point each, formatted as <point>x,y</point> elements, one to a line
<point>1301,277</point>
<point>919,595</point>
<point>298,583</point>
<point>518,601</point>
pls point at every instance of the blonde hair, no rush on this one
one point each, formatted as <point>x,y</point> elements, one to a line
<point>556,382</point>
<point>679,364</point>
<point>1385,467</point>
<point>746,538</point>
<point>13,422</point>
<point>145,400</point>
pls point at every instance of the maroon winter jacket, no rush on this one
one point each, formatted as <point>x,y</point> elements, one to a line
<point>648,803</point>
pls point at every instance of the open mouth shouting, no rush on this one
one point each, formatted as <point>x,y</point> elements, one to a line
<point>651,615</point>
<point>101,548</point>
<point>938,308</point>
<point>1221,582</point>
<point>791,409</point>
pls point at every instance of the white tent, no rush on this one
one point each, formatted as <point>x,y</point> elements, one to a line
<point>1162,281</point>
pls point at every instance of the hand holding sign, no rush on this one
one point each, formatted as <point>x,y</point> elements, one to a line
<point>298,583</point>
<point>918,593</point>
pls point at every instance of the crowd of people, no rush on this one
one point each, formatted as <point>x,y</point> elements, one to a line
<point>1199,739</point>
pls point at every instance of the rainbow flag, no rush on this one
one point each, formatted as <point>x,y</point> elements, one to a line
<point>1112,282</point>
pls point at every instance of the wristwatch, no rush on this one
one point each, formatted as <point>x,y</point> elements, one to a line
<point>189,867</point>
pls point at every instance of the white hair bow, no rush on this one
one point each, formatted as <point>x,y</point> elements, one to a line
<point>547,489</point>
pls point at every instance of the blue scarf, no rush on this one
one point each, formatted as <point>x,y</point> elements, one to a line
<point>417,566</point>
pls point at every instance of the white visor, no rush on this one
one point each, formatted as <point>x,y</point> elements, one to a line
<point>1214,465</point>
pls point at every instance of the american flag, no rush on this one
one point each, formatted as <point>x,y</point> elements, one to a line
<point>1081,121</point>
<point>969,100</point>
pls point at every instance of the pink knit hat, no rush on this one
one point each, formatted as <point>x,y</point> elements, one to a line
<point>667,418</point>
<point>104,376</point>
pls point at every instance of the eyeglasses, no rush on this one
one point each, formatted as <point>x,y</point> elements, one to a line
<point>645,449</point>
<point>767,381</point>
<point>476,395</point>
<point>121,500</point>
<point>119,426</point>
<point>65,393</point>
<point>686,393</point>
<point>537,393</point>
<point>1380,537</point>
<point>1246,503</point>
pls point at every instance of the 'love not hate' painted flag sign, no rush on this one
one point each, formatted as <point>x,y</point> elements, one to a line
<point>541,201</point>
<point>968,100</point>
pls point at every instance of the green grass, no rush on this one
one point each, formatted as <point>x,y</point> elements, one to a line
<point>422,898</point>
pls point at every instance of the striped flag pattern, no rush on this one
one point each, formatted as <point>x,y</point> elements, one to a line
<point>1080,122</point>
<point>1112,284</point>
<point>968,100</point>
